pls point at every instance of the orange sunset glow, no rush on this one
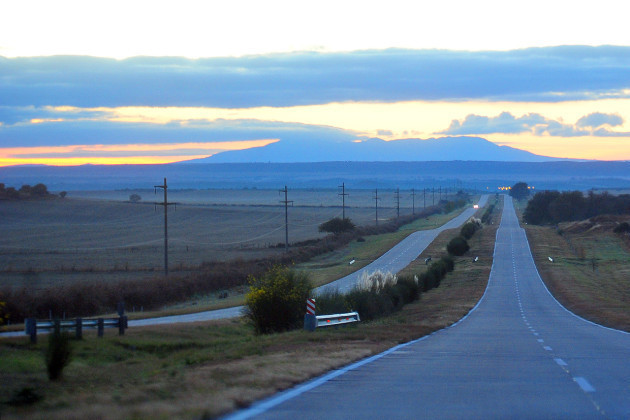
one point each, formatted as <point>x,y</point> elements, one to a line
<point>106,154</point>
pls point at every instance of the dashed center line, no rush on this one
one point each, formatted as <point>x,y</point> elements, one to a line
<point>584,384</point>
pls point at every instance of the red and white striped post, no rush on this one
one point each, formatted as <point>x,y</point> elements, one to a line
<point>310,321</point>
<point>310,306</point>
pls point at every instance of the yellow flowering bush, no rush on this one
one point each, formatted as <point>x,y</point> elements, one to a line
<point>276,301</point>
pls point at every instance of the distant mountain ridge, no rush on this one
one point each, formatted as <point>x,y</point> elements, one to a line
<point>378,150</point>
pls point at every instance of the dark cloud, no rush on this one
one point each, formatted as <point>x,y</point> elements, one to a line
<point>597,119</point>
<point>537,74</point>
<point>20,114</point>
<point>536,124</point>
<point>83,132</point>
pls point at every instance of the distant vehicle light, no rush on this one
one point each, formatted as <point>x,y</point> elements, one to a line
<point>476,206</point>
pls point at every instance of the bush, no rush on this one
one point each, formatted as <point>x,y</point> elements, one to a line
<point>58,354</point>
<point>468,230</point>
<point>377,294</point>
<point>622,227</point>
<point>276,301</point>
<point>134,198</point>
<point>337,225</point>
<point>457,246</point>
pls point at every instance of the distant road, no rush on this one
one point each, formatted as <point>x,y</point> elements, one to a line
<point>519,355</point>
<point>393,260</point>
<point>402,254</point>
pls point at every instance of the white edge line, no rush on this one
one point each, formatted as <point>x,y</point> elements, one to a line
<point>262,406</point>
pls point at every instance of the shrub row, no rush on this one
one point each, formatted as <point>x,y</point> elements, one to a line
<point>487,215</point>
<point>436,272</point>
<point>378,294</point>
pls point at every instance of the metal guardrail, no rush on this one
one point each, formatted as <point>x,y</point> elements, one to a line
<point>337,319</point>
<point>32,326</point>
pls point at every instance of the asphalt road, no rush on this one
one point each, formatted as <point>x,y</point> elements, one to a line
<point>519,355</point>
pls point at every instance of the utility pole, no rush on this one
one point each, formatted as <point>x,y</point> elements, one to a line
<point>434,196</point>
<point>165,204</point>
<point>286,217</point>
<point>376,204</point>
<point>397,196</point>
<point>343,199</point>
<point>413,201</point>
<point>440,194</point>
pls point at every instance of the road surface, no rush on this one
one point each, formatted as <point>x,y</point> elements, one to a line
<point>519,354</point>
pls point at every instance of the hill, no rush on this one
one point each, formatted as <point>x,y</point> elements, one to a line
<point>289,150</point>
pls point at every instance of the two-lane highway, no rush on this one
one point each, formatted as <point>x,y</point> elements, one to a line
<point>517,355</point>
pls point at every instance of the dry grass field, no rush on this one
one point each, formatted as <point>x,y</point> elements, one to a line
<point>99,236</point>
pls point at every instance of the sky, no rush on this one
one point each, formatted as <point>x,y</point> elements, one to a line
<point>156,82</point>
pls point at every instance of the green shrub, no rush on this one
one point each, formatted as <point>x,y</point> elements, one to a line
<point>409,288</point>
<point>58,354</point>
<point>457,246</point>
<point>622,227</point>
<point>468,230</point>
<point>331,303</point>
<point>277,300</point>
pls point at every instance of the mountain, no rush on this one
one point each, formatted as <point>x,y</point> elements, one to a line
<point>377,150</point>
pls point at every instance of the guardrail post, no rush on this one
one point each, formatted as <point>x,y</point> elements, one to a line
<point>79,329</point>
<point>310,320</point>
<point>100,323</point>
<point>31,329</point>
<point>122,324</point>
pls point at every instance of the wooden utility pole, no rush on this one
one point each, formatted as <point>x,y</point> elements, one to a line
<point>286,217</point>
<point>376,204</point>
<point>413,201</point>
<point>397,196</point>
<point>343,199</point>
<point>165,204</point>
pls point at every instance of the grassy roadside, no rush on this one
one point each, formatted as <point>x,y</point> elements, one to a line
<point>590,272</point>
<point>206,369</point>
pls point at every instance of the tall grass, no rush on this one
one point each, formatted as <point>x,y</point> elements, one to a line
<point>377,294</point>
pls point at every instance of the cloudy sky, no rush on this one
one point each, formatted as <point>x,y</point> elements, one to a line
<point>146,82</point>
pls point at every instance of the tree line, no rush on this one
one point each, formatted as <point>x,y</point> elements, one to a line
<point>26,191</point>
<point>551,207</point>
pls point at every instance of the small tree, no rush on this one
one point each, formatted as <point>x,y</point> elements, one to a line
<point>134,198</point>
<point>457,246</point>
<point>39,190</point>
<point>337,226</point>
<point>519,191</point>
<point>63,194</point>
